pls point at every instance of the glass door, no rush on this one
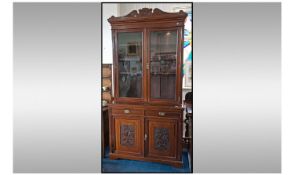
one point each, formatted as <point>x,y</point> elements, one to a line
<point>163,64</point>
<point>129,56</point>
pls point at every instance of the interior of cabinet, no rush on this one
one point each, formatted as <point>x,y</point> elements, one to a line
<point>163,56</point>
<point>130,64</point>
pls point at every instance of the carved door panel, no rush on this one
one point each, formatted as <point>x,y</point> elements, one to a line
<point>161,137</point>
<point>129,135</point>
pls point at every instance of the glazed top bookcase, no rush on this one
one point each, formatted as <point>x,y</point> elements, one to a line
<point>145,116</point>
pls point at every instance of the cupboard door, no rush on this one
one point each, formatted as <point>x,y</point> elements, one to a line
<point>129,135</point>
<point>163,55</point>
<point>129,62</point>
<point>162,137</point>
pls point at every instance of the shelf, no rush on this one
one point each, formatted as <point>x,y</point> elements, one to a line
<point>167,53</point>
<point>163,45</point>
<point>163,60</point>
<point>130,73</point>
<point>129,59</point>
<point>123,45</point>
<point>152,73</point>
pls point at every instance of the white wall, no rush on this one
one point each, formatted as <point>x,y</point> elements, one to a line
<point>108,11</point>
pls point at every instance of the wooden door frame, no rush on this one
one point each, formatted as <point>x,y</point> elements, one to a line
<point>178,88</point>
<point>116,66</point>
<point>177,141</point>
<point>140,134</point>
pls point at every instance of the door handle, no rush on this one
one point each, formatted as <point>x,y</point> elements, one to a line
<point>126,111</point>
<point>145,137</point>
<point>161,113</point>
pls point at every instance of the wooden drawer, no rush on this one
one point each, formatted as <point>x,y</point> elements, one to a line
<point>161,113</point>
<point>127,111</point>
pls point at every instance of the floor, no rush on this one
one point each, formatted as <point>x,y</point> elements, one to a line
<point>131,166</point>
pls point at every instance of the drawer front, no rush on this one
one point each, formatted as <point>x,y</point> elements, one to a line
<point>160,113</point>
<point>128,111</point>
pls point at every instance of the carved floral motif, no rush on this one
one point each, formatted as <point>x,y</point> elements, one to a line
<point>161,139</point>
<point>127,135</point>
<point>145,12</point>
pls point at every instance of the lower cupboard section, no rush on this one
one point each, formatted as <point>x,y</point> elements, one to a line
<point>149,138</point>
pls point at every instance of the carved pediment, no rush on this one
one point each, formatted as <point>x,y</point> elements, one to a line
<point>147,12</point>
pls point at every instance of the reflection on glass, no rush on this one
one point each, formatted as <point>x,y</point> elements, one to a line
<point>130,64</point>
<point>163,54</point>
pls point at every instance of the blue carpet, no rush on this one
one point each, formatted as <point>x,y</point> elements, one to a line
<point>132,166</point>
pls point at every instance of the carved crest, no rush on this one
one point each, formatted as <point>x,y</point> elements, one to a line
<point>147,12</point>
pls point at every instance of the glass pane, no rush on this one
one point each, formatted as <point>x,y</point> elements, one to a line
<point>130,64</point>
<point>163,54</point>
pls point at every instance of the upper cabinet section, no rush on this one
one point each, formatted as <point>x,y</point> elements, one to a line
<point>148,18</point>
<point>147,57</point>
